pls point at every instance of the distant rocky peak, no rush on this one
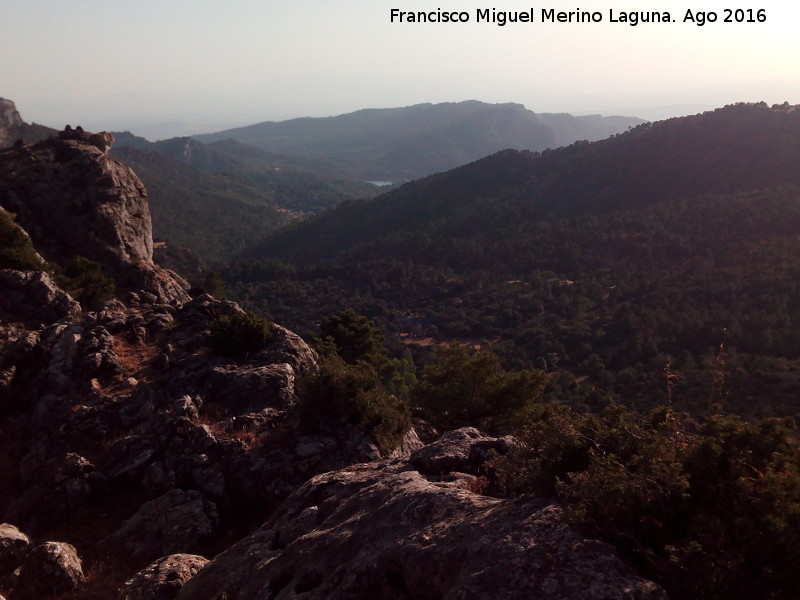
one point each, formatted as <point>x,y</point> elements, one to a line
<point>9,116</point>
<point>10,122</point>
<point>13,128</point>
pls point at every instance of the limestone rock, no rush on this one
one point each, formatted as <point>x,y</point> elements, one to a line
<point>34,295</point>
<point>50,568</point>
<point>162,579</point>
<point>178,521</point>
<point>129,456</point>
<point>88,389</point>
<point>10,122</point>
<point>264,381</point>
<point>251,388</point>
<point>386,531</point>
<point>72,199</point>
<point>289,348</point>
<point>9,117</point>
<point>462,450</point>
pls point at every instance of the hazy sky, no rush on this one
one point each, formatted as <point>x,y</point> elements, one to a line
<point>166,67</point>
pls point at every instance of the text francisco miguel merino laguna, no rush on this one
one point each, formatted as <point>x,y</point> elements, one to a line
<point>551,15</point>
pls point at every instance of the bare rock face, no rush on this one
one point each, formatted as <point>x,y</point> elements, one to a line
<point>50,568</point>
<point>34,295</point>
<point>175,521</point>
<point>9,117</point>
<point>133,395</point>
<point>463,450</point>
<point>10,122</point>
<point>391,531</point>
<point>162,579</point>
<point>13,128</point>
<point>72,199</point>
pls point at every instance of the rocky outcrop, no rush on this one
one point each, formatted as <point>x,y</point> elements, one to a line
<point>34,295</point>
<point>10,122</point>
<point>178,520</point>
<point>464,450</point>
<point>9,117</point>
<point>72,199</point>
<point>162,579</point>
<point>406,529</point>
<point>132,398</point>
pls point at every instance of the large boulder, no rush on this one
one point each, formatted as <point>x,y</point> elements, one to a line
<point>463,451</point>
<point>391,530</point>
<point>50,568</point>
<point>163,578</point>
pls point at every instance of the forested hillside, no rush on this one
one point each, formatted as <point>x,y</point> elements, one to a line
<point>673,246</point>
<point>217,203</point>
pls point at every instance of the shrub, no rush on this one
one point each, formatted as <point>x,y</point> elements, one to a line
<point>239,335</point>
<point>212,284</point>
<point>355,338</point>
<point>709,511</point>
<point>352,394</point>
<point>84,280</point>
<point>461,389</point>
<point>16,249</point>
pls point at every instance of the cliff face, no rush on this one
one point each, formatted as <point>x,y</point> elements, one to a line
<point>9,119</point>
<point>74,200</point>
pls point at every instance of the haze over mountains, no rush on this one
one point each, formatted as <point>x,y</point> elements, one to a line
<point>398,144</point>
<point>738,148</point>
<point>219,196</point>
<point>258,178</point>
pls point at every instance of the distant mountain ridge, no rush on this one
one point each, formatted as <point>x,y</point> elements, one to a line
<point>235,158</point>
<point>398,144</point>
<point>736,148</point>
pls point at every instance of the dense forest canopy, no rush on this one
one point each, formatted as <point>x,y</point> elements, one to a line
<point>674,243</point>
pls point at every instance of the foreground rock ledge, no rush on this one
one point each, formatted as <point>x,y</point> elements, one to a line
<point>390,531</point>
